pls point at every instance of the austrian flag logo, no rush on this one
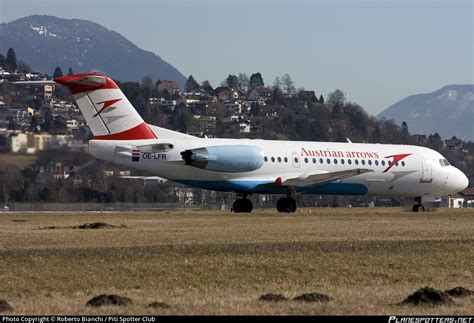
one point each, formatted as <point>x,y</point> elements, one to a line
<point>135,155</point>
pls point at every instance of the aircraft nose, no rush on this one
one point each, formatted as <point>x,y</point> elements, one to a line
<point>458,181</point>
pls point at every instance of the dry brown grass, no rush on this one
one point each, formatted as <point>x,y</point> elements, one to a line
<point>212,262</point>
<point>18,160</point>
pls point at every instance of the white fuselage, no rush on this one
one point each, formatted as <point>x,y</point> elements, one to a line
<point>417,172</point>
<point>250,166</point>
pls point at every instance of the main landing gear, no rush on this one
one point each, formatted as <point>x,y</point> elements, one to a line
<point>418,207</point>
<point>287,204</point>
<point>242,204</point>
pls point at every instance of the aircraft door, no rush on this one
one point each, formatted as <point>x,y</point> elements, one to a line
<point>296,160</point>
<point>426,172</point>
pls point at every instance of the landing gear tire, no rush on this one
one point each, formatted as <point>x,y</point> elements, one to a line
<point>286,205</point>
<point>418,208</point>
<point>242,206</point>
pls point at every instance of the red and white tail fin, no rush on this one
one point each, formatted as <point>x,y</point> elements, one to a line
<point>107,111</point>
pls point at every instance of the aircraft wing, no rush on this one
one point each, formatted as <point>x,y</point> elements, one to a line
<point>158,179</point>
<point>319,178</point>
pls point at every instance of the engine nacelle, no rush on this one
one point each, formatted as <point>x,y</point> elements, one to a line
<point>231,158</point>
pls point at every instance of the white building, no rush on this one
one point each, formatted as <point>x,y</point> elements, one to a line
<point>18,142</point>
<point>452,202</point>
<point>233,107</point>
<point>259,94</point>
<point>72,124</point>
<point>48,91</point>
<point>244,127</point>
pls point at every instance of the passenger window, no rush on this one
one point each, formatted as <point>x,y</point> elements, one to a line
<point>389,163</point>
<point>342,161</point>
<point>356,162</point>
<point>363,162</point>
<point>296,159</point>
<point>273,159</point>
<point>265,158</point>
<point>335,161</point>
<point>286,160</point>
<point>403,163</point>
<point>383,162</point>
<point>349,162</point>
<point>314,160</point>
<point>328,160</point>
<point>321,160</point>
<point>376,163</point>
<point>306,160</point>
<point>279,159</point>
<point>370,162</point>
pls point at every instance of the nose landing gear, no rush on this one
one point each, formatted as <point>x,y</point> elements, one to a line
<point>418,207</point>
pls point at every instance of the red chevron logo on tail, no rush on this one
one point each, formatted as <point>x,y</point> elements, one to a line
<point>106,105</point>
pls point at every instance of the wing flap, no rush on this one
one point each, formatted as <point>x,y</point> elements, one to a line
<point>319,178</point>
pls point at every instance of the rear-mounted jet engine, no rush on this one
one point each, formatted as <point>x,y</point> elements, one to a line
<point>232,159</point>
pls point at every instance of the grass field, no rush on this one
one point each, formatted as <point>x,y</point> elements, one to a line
<point>213,262</point>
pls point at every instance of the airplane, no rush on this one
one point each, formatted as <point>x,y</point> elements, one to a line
<point>255,166</point>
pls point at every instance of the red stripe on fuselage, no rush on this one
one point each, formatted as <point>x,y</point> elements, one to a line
<point>142,131</point>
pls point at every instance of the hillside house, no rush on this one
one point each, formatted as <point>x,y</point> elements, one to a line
<point>172,87</point>
<point>205,124</point>
<point>225,94</point>
<point>453,144</point>
<point>48,91</point>
<point>233,107</point>
<point>244,125</point>
<point>72,125</point>
<point>419,138</point>
<point>261,94</point>
<point>308,96</point>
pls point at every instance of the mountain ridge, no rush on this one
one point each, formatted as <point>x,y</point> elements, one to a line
<point>449,111</point>
<point>48,41</point>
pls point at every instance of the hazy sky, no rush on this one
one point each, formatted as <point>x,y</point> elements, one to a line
<point>377,52</point>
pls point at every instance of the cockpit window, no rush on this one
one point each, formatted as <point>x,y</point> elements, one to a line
<point>444,162</point>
